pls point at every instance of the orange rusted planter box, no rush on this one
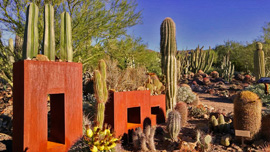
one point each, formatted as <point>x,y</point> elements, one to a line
<point>128,110</point>
<point>33,82</point>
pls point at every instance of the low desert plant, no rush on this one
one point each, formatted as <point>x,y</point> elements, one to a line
<point>259,89</point>
<point>185,94</point>
<point>144,140</point>
<point>198,111</point>
<point>124,80</point>
<point>174,124</point>
<point>100,139</point>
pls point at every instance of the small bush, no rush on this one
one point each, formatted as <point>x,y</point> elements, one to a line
<point>259,89</point>
<point>185,94</point>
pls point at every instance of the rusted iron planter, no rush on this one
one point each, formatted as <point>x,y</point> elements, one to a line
<point>33,82</point>
<point>128,110</point>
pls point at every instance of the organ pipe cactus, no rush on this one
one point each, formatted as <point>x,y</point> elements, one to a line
<point>201,60</point>
<point>174,124</point>
<point>30,44</point>
<point>49,40</point>
<point>168,60</point>
<point>101,92</point>
<point>227,68</point>
<point>66,52</point>
<point>259,64</point>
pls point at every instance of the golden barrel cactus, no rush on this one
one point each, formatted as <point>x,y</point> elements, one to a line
<point>247,113</point>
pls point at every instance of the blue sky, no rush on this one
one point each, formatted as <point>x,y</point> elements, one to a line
<point>203,22</point>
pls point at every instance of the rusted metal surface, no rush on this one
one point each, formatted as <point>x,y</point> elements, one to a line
<point>33,81</point>
<point>129,110</point>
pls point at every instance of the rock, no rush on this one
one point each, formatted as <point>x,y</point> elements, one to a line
<point>41,57</point>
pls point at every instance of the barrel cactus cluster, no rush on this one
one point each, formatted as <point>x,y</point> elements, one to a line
<point>31,45</point>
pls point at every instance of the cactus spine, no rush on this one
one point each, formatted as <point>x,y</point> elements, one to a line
<point>168,60</point>
<point>227,68</point>
<point>259,65</point>
<point>247,112</point>
<point>49,40</point>
<point>101,92</point>
<point>173,124</point>
<point>66,52</point>
<point>30,44</point>
<point>201,60</point>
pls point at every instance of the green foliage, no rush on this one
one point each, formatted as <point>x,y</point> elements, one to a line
<point>185,94</point>
<point>168,60</point>
<point>8,55</point>
<point>259,89</point>
<point>94,23</point>
<point>132,48</point>
<point>236,52</point>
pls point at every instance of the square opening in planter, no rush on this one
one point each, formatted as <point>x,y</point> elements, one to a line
<point>56,118</point>
<point>134,115</point>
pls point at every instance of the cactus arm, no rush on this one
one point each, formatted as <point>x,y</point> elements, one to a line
<point>66,52</point>
<point>49,39</point>
<point>30,44</point>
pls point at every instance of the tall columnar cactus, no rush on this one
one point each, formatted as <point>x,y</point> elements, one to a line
<point>259,65</point>
<point>49,40</point>
<point>247,113</point>
<point>168,60</point>
<point>30,44</point>
<point>11,49</point>
<point>174,124</point>
<point>101,92</point>
<point>227,68</point>
<point>66,52</point>
<point>201,60</point>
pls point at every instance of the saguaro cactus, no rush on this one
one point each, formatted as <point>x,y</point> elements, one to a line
<point>101,92</point>
<point>259,65</point>
<point>30,44</point>
<point>168,60</point>
<point>66,52</point>
<point>49,40</point>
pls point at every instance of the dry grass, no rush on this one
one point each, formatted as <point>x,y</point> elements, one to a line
<point>124,80</point>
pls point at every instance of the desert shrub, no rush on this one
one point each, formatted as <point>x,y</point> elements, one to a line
<point>124,80</point>
<point>198,111</point>
<point>259,89</point>
<point>185,94</point>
